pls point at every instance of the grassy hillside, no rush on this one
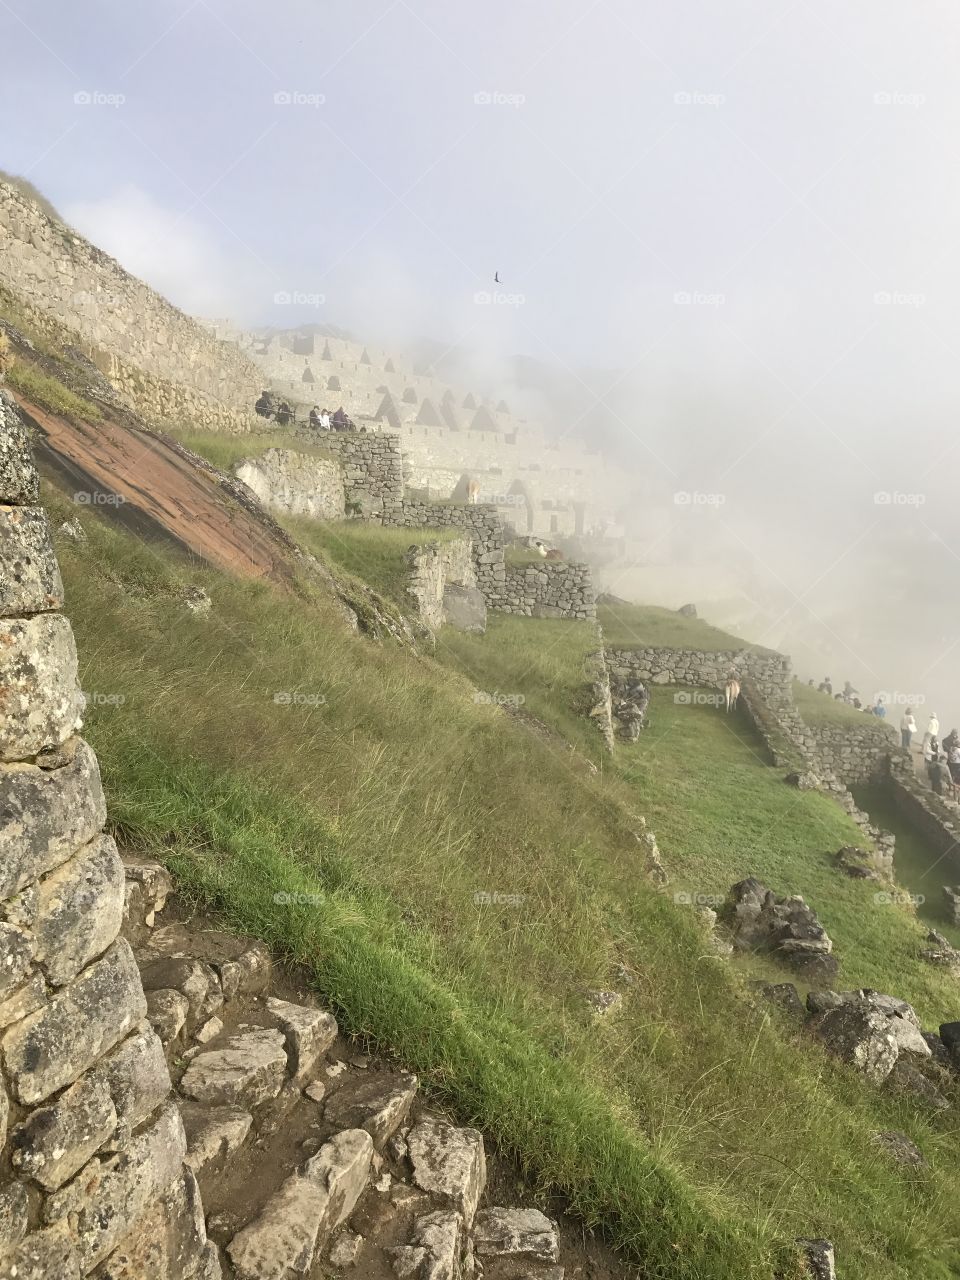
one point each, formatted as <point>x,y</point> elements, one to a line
<point>641,626</point>
<point>266,751</point>
<point>818,708</point>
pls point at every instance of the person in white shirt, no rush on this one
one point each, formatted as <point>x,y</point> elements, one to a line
<point>908,727</point>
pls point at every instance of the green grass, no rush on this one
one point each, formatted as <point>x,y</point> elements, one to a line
<point>642,626</point>
<point>225,451</point>
<point>32,384</point>
<point>821,709</point>
<point>540,659</point>
<point>693,1127</point>
<point>370,552</point>
<point>522,556</point>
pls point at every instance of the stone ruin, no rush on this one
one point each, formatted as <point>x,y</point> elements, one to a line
<point>785,927</point>
<point>164,1113</point>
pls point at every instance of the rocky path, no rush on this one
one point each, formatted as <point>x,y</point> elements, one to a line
<point>313,1158</point>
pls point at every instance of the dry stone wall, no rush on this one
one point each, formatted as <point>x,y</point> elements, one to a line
<point>551,589</point>
<point>769,671</point>
<point>443,583</point>
<point>91,1142</point>
<point>295,483</point>
<point>856,753</point>
<point>479,522</point>
<point>167,365</point>
<point>372,470</point>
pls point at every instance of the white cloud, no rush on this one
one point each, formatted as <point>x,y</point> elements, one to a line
<point>172,252</point>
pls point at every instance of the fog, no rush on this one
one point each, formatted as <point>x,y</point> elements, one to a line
<point>726,237</point>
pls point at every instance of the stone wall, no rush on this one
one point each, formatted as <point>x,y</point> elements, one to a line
<point>480,523</point>
<point>926,812</point>
<point>91,1142</point>
<point>769,671</point>
<point>855,753</point>
<point>166,365</point>
<point>549,589</point>
<point>372,468</point>
<point>296,483</point>
<point>443,583</point>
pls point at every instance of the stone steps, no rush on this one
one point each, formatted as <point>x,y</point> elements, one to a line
<point>311,1158</point>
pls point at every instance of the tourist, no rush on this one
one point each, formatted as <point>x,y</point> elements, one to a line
<point>931,757</point>
<point>826,686</point>
<point>314,418</point>
<point>857,704</point>
<point>953,764</point>
<point>848,691</point>
<point>341,422</point>
<point>908,727</point>
<point>933,725</point>
<point>880,710</point>
<point>951,740</point>
<point>284,414</point>
<point>264,406</point>
<point>325,420</point>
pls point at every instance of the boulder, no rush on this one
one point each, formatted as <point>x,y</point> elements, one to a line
<point>860,1036</point>
<point>298,1218</point>
<point>54,1046</point>
<point>46,815</point>
<point>213,1132</point>
<point>449,1162</point>
<point>29,573</point>
<point>818,1259</point>
<point>516,1233</point>
<point>900,1148</point>
<point>378,1103</point>
<point>43,1255</point>
<point>309,1034</point>
<point>57,1140</point>
<point>783,994</point>
<point>250,1068</point>
<point>169,1242</point>
<point>109,1199</point>
<point>192,978</point>
<point>40,699</point>
<point>19,479</point>
<point>138,1078</point>
<point>79,910</point>
<point>464,608</point>
<point>168,1011</point>
<point>803,781</point>
<point>907,1079</point>
<point>435,1248</point>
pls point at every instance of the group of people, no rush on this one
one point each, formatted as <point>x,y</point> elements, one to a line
<point>319,419</point>
<point>851,697</point>
<point>942,759</point>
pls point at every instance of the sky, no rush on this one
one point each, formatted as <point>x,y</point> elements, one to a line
<point>731,229</point>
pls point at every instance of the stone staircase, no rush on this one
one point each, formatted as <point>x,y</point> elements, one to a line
<point>310,1157</point>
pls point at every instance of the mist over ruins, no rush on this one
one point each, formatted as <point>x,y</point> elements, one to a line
<point>479,784</point>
